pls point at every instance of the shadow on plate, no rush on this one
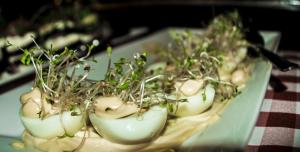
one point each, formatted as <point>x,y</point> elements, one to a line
<point>211,148</point>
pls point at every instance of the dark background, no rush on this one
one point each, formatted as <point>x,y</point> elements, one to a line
<point>283,16</point>
<point>19,16</point>
<point>122,15</point>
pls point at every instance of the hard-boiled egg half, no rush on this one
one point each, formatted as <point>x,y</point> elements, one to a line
<point>231,62</point>
<point>121,123</point>
<point>199,98</point>
<point>55,125</point>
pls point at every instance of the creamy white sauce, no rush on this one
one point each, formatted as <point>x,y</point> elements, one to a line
<point>191,87</point>
<point>239,77</point>
<point>174,134</point>
<point>33,102</point>
<point>113,107</point>
<point>196,103</point>
<point>31,109</point>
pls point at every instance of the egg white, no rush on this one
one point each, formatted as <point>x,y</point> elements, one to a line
<point>195,104</point>
<point>53,126</point>
<point>132,129</point>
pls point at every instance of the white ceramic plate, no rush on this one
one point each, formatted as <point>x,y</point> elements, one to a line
<point>231,132</point>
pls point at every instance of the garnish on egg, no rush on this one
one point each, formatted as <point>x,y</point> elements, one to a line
<point>128,102</point>
<point>135,106</point>
<point>192,63</point>
<point>55,106</point>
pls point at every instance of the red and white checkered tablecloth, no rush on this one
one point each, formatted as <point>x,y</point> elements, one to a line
<point>278,126</point>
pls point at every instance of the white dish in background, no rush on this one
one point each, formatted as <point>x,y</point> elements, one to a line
<point>231,132</point>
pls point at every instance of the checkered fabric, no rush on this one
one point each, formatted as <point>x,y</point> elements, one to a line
<point>278,126</point>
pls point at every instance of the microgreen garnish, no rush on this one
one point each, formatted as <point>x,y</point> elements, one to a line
<point>60,87</point>
<point>225,32</point>
<point>193,56</point>
<point>128,80</point>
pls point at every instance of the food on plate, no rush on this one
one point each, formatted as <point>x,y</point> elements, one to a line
<point>55,105</point>
<point>137,106</point>
<point>225,35</point>
<point>127,107</point>
<point>197,66</point>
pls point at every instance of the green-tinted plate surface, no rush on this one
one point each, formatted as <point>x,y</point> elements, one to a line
<point>231,132</point>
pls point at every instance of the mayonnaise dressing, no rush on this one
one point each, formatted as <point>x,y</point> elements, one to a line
<point>191,87</point>
<point>113,107</point>
<point>33,103</point>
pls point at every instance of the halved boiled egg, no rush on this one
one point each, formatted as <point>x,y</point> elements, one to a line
<point>131,129</point>
<point>231,62</point>
<point>198,99</point>
<point>52,126</point>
